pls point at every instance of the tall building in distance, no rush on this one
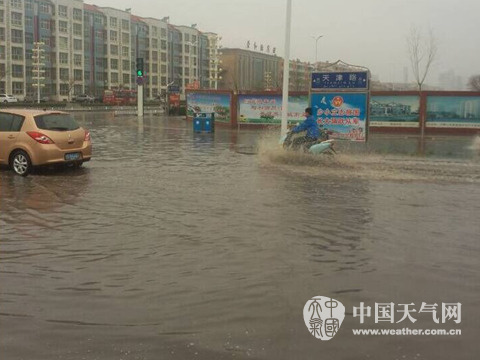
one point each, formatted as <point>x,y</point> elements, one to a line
<point>88,49</point>
<point>246,70</point>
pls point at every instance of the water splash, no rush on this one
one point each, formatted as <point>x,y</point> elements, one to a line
<point>351,164</point>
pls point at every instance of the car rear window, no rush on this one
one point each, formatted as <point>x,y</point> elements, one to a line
<point>10,122</point>
<point>56,122</point>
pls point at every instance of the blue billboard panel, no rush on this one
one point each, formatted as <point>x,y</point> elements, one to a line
<point>340,80</point>
<point>345,114</point>
<point>453,111</point>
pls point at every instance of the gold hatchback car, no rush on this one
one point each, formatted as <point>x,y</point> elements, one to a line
<point>31,138</point>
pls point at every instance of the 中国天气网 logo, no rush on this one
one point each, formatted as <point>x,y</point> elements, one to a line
<point>323,316</point>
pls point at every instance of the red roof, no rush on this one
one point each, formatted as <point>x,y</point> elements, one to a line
<point>89,7</point>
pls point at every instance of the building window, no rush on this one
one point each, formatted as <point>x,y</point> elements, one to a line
<point>163,45</point>
<point>17,36</point>
<point>78,75</point>
<point>114,77</point>
<point>154,56</point>
<point>17,53</point>
<point>44,8</point>
<point>64,89</point>
<point>113,50</point>
<point>62,11</point>
<point>77,29</point>
<point>125,51</point>
<point>28,21</point>
<point>164,69</point>
<point>28,4</point>
<point>163,32</point>
<point>154,80</point>
<point>16,4</point>
<point>114,64</point>
<point>125,65</point>
<point>164,80</point>
<point>77,44</point>
<point>77,14</point>
<point>17,71</point>
<point>163,57</point>
<point>126,79</point>
<point>155,43</point>
<point>63,58</point>
<point>125,39</point>
<point>77,60</point>
<point>2,34</point>
<point>63,26</point>
<point>45,24</point>
<point>186,37</point>
<point>113,35</point>
<point>2,16</point>
<point>113,22</point>
<point>63,43</point>
<point>16,19</point>
<point>125,25</point>
<point>17,88</point>
<point>64,74</point>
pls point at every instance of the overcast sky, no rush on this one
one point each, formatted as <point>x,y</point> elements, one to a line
<point>371,33</point>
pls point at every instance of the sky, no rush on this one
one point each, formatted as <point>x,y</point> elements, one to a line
<point>369,33</point>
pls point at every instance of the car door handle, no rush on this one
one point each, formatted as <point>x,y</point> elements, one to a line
<point>11,136</point>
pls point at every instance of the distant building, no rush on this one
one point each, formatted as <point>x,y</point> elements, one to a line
<point>88,49</point>
<point>448,80</point>
<point>248,70</point>
<point>244,69</point>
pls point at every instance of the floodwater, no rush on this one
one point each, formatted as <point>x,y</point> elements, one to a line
<point>174,245</point>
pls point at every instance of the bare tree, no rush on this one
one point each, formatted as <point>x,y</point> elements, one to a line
<point>422,51</point>
<point>474,83</point>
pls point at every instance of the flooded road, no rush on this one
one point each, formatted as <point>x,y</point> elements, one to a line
<point>174,245</point>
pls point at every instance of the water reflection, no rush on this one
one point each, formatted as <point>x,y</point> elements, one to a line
<point>170,244</point>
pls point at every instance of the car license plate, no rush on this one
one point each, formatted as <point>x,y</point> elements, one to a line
<point>73,156</point>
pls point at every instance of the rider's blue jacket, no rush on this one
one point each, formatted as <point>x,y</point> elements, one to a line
<point>310,125</point>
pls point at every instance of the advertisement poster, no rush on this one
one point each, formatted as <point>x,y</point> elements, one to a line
<point>267,109</point>
<point>342,113</point>
<point>208,103</point>
<point>398,111</point>
<point>453,111</point>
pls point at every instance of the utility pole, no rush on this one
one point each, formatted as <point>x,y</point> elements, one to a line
<point>286,69</point>
<point>38,70</point>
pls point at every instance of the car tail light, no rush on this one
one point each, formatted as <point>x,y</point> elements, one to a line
<point>87,136</point>
<point>40,138</point>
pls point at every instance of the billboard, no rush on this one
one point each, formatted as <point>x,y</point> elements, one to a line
<point>398,111</point>
<point>267,109</point>
<point>345,114</point>
<point>453,111</point>
<point>209,103</point>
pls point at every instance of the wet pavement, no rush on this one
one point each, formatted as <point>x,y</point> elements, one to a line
<point>174,245</point>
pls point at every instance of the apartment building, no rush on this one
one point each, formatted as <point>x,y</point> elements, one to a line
<point>88,49</point>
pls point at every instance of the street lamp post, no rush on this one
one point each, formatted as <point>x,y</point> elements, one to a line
<point>286,69</point>
<point>316,38</point>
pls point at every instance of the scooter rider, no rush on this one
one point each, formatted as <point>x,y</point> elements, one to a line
<point>312,132</point>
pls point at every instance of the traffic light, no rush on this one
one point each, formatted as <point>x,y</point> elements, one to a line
<point>140,71</point>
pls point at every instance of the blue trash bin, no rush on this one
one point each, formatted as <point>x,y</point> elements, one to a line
<point>197,124</point>
<point>204,122</point>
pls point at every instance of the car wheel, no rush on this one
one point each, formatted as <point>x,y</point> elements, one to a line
<point>21,163</point>
<point>5,101</point>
